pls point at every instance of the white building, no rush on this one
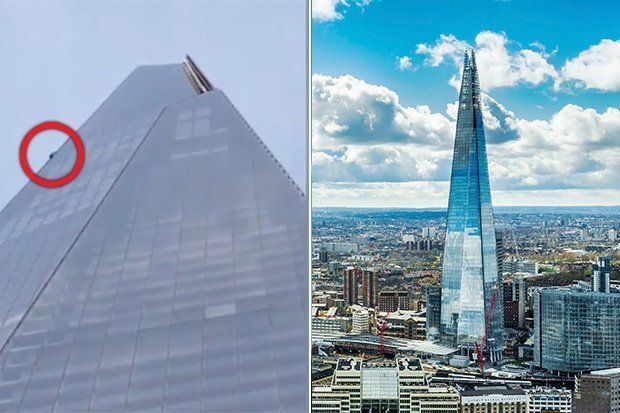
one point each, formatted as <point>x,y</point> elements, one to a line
<point>330,324</point>
<point>361,322</point>
<point>544,399</point>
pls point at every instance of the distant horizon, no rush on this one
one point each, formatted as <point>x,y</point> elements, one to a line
<point>494,207</point>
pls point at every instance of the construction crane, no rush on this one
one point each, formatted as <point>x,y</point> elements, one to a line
<point>480,348</point>
<point>380,328</point>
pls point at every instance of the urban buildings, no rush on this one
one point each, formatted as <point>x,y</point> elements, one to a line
<point>390,301</point>
<point>398,385</point>
<point>600,274</point>
<point>549,399</point>
<point>514,303</point>
<point>350,286</point>
<point>598,392</point>
<point>370,287</point>
<point>576,330</point>
<point>361,321</point>
<point>515,266</point>
<point>494,399</point>
<point>470,275</point>
<point>433,311</point>
<point>139,285</point>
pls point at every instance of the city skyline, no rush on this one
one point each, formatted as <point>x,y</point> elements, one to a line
<point>384,110</point>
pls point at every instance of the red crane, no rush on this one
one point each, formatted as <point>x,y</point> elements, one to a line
<point>381,327</point>
<point>480,347</point>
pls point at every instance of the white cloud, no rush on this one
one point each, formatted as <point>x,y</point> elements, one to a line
<point>498,66</point>
<point>596,68</point>
<point>363,136</point>
<point>404,63</point>
<point>346,110</point>
<point>328,10</point>
<point>435,194</point>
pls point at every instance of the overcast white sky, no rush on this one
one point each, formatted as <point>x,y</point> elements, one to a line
<point>60,60</point>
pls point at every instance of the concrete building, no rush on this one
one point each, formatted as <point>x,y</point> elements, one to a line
<point>433,311</point>
<point>598,392</point>
<point>494,399</point>
<point>398,385</point>
<point>390,301</point>
<point>370,287</point>
<point>361,322</point>
<point>331,324</point>
<point>350,286</point>
<point>407,324</point>
<point>514,303</point>
<point>549,400</point>
<point>429,232</point>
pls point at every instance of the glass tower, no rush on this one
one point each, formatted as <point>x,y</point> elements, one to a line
<point>171,275</point>
<point>470,274</point>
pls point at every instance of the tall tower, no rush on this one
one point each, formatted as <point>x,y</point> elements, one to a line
<point>350,286</point>
<point>470,274</point>
<point>370,287</point>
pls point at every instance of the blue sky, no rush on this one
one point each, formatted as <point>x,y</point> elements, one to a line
<point>385,76</point>
<point>60,60</point>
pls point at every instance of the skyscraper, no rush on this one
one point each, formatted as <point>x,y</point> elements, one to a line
<point>139,285</point>
<point>470,276</point>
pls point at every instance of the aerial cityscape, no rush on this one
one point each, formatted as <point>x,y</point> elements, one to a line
<point>469,308</point>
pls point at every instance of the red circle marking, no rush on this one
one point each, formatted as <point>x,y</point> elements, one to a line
<point>23,154</point>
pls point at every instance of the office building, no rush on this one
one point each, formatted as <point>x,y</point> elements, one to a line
<point>494,399</point>
<point>139,285</point>
<point>433,311</point>
<point>361,321</point>
<point>549,400</point>
<point>323,256</point>
<point>470,275</point>
<point>576,330</point>
<point>398,385</point>
<point>515,266</point>
<point>598,392</point>
<point>429,232</point>
<point>406,324</point>
<point>350,286</point>
<point>331,324</point>
<point>600,274</point>
<point>390,301</point>
<point>514,303</point>
<point>370,287</point>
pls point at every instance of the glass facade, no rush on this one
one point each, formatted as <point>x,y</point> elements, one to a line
<point>576,330</point>
<point>171,275</point>
<point>470,273</point>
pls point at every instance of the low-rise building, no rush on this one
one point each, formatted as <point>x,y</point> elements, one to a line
<point>398,385</point>
<point>494,399</point>
<point>549,400</point>
<point>598,392</point>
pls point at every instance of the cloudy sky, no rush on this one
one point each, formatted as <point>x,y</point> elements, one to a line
<point>384,91</point>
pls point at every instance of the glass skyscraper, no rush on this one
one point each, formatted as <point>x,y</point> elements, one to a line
<point>470,274</point>
<point>170,275</point>
<point>576,330</point>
